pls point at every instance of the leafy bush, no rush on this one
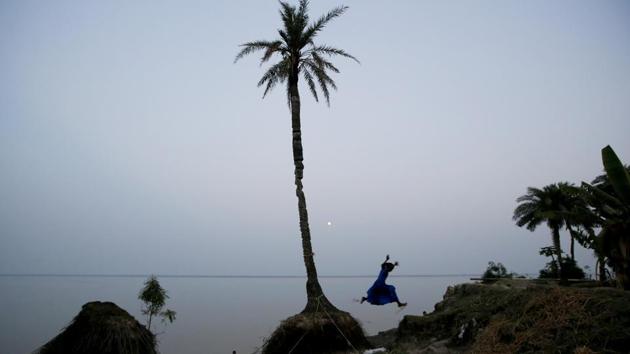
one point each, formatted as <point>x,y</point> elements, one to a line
<point>569,267</point>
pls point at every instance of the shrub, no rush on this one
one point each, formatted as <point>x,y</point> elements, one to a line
<point>569,267</point>
<point>496,270</point>
<point>154,298</point>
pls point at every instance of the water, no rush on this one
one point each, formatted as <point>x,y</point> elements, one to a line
<point>214,314</point>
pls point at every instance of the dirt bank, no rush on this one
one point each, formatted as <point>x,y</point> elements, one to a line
<point>517,316</point>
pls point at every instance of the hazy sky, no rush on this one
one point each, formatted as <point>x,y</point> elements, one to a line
<point>131,143</point>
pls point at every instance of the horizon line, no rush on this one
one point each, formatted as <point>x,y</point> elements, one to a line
<point>77,275</point>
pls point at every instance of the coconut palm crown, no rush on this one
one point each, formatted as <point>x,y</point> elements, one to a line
<point>298,55</point>
<point>298,52</point>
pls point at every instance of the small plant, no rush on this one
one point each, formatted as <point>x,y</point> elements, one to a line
<point>154,298</point>
<point>496,270</point>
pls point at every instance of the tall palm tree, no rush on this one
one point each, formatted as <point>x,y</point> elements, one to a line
<point>549,204</point>
<point>299,56</point>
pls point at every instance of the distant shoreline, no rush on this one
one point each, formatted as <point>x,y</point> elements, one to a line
<point>230,276</point>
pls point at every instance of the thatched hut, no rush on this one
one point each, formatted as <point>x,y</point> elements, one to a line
<point>102,328</point>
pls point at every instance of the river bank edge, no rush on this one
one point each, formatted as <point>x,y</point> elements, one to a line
<point>516,315</point>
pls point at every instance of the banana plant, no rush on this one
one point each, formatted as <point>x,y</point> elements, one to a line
<point>613,210</point>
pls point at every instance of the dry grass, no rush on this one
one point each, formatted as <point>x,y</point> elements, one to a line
<point>556,320</point>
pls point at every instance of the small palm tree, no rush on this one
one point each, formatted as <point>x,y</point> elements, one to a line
<point>299,56</point>
<point>549,204</point>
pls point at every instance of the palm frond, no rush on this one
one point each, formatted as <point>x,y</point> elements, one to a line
<point>301,17</point>
<point>322,78</point>
<point>330,51</point>
<point>321,74</point>
<point>277,73</point>
<point>323,63</point>
<point>251,47</point>
<point>318,25</point>
<point>287,13</point>
<point>284,36</point>
<point>274,47</point>
<point>533,223</point>
<point>303,10</point>
<point>311,84</point>
<point>290,22</point>
<point>523,210</point>
<point>532,195</point>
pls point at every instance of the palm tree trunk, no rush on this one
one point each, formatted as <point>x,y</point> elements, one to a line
<point>555,232</point>
<point>601,268</point>
<point>315,294</point>
<point>570,229</point>
<point>572,248</point>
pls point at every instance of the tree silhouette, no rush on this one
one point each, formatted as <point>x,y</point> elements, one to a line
<point>299,56</point>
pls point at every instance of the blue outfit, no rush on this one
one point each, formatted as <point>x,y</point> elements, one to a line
<point>381,293</point>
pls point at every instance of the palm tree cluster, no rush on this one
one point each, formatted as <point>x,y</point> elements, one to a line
<point>596,215</point>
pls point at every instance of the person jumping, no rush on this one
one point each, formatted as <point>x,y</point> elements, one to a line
<point>380,293</point>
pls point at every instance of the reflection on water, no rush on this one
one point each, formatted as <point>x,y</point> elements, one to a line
<point>214,315</point>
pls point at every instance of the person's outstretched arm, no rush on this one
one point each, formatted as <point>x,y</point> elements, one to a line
<point>387,259</point>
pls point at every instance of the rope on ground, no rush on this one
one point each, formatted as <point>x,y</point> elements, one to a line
<point>335,324</point>
<point>298,342</point>
<point>305,332</point>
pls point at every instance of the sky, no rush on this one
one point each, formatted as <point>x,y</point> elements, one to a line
<point>130,143</point>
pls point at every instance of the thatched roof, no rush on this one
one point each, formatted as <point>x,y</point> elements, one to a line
<point>102,328</point>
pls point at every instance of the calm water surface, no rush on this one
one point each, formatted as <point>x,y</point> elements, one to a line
<point>214,315</point>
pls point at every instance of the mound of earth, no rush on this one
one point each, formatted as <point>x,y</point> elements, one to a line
<point>102,328</point>
<point>319,332</point>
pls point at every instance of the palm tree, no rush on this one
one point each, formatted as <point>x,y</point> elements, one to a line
<point>300,56</point>
<point>578,218</point>
<point>549,204</point>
